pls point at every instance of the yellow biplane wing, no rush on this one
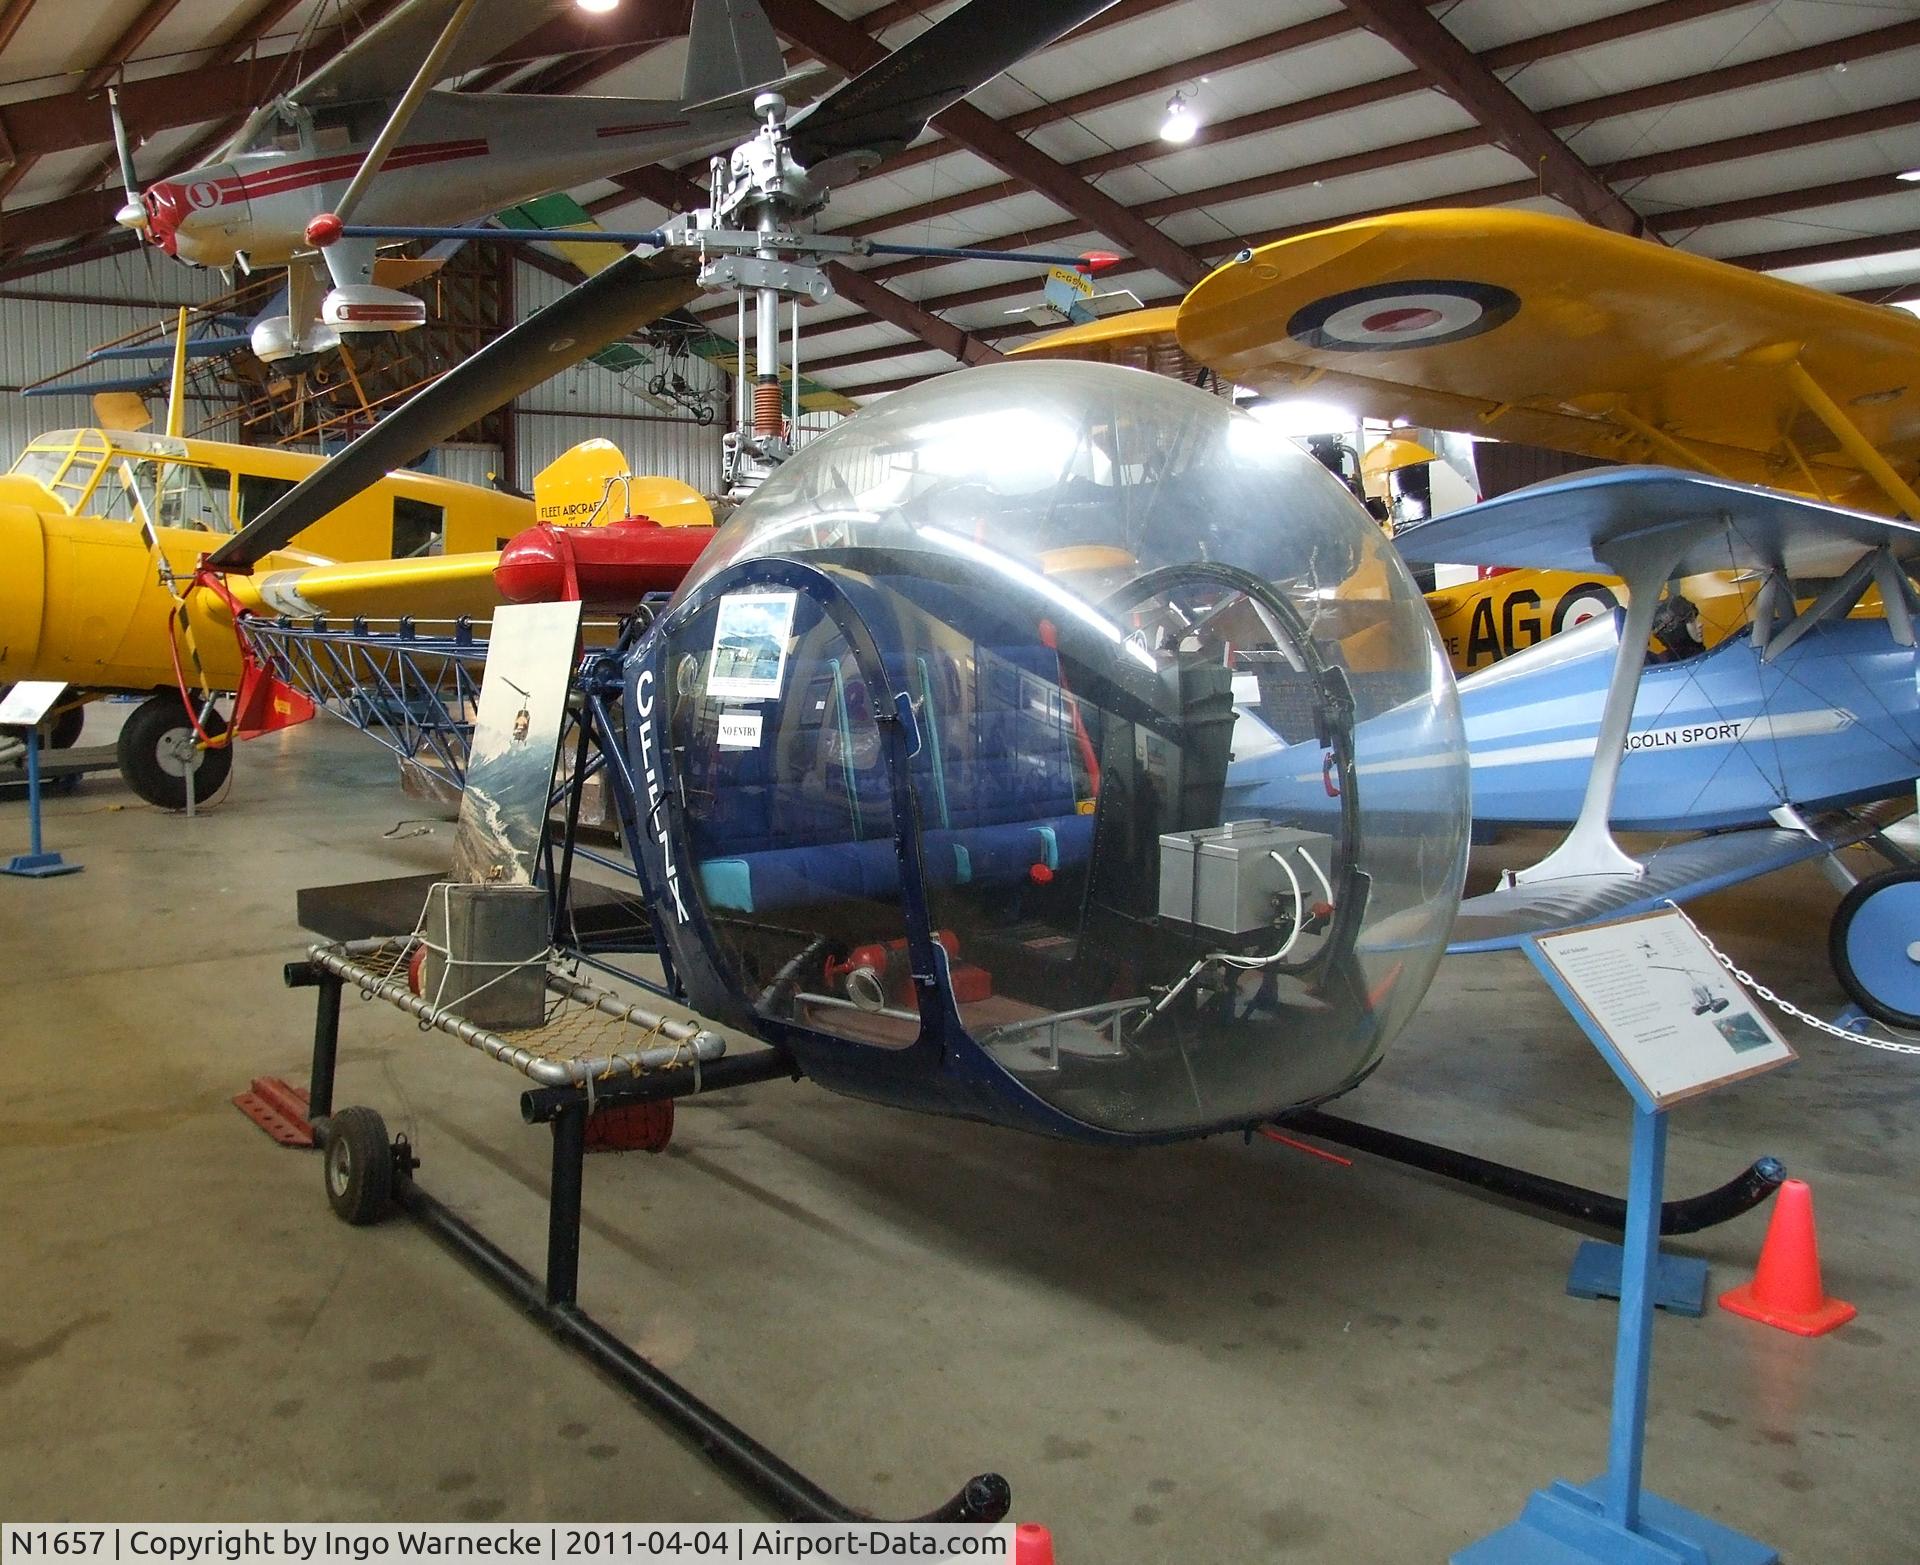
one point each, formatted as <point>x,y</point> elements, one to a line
<point>1140,339</point>
<point>1540,329</point>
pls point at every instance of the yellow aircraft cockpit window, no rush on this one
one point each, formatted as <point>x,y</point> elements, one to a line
<point>67,463</point>
<point>166,493</point>
<point>257,492</point>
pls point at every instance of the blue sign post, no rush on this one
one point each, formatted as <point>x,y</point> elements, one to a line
<point>26,704</point>
<point>1613,1520</point>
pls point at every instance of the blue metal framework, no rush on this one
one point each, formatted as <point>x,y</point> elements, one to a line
<point>413,692</point>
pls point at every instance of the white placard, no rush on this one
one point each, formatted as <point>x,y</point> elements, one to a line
<point>1675,1016</point>
<point>750,634</point>
<point>739,730</point>
<point>29,701</point>
<point>516,735</point>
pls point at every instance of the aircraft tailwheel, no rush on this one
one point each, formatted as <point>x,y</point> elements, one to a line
<point>359,1166</point>
<point>158,747</point>
<point>65,733</point>
<point>1874,943</point>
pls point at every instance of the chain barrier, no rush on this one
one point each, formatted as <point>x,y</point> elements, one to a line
<point>1788,1008</point>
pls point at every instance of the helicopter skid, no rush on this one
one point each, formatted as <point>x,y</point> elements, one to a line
<point>554,1300</point>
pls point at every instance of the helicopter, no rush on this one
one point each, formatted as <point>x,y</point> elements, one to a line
<point>992,639</point>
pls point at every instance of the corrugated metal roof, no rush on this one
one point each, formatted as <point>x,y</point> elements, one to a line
<point>1339,124</point>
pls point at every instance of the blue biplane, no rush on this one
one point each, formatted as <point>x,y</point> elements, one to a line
<point>1772,748</point>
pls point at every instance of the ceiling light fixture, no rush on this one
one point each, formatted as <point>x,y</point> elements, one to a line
<point>598,7</point>
<point>1181,123</point>
<point>1912,176</point>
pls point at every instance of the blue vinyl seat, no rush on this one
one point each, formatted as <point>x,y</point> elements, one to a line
<point>994,778</point>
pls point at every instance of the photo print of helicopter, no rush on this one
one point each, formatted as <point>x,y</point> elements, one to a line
<point>1708,994</point>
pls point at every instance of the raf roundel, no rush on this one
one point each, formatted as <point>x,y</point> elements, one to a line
<point>1387,316</point>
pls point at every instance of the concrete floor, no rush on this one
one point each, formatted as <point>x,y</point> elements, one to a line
<point>1214,1352</point>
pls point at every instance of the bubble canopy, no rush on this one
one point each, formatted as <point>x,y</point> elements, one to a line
<point>1096,705</point>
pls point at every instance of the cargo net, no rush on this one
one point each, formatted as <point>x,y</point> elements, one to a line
<point>588,1032</point>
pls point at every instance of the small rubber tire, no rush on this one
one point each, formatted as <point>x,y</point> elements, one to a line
<point>358,1166</point>
<point>65,732</point>
<point>1873,931</point>
<point>156,747</point>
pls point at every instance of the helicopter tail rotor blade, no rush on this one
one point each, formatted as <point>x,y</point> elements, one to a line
<point>880,111</point>
<point>626,296</point>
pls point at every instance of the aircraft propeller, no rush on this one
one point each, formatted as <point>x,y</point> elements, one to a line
<point>134,213</point>
<point>848,131</point>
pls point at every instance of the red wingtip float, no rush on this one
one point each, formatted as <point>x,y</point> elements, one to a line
<point>610,567</point>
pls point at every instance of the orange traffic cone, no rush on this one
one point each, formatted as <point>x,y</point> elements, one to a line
<point>1786,1290</point>
<point>1032,1545</point>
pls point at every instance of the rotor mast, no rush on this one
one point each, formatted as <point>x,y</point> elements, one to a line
<point>749,240</point>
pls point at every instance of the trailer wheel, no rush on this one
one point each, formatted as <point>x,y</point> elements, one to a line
<point>157,749</point>
<point>359,1166</point>
<point>1874,944</point>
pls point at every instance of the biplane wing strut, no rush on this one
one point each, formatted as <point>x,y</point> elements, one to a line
<point>1644,562</point>
<point>1813,397</point>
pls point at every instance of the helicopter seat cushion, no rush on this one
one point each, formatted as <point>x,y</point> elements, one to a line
<point>999,801</point>
<point>803,876</point>
<point>757,882</point>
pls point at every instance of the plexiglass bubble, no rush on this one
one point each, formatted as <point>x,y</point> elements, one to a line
<point>1179,775</point>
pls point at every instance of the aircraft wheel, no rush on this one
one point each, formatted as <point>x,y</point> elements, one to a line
<point>157,749</point>
<point>65,733</point>
<point>1874,943</point>
<point>359,1166</point>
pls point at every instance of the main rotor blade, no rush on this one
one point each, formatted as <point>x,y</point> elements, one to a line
<point>626,296</point>
<point>881,110</point>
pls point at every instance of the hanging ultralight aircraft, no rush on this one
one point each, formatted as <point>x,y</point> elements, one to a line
<point>361,139</point>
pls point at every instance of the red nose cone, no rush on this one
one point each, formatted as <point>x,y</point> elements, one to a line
<point>166,205</point>
<point>1094,262</point>
<point>611,567</point>
<point>324,230</point>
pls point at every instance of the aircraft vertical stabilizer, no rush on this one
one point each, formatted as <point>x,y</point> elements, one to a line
<point>730,47</point>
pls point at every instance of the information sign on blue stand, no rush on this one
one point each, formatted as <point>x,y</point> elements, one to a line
<point>24,706</point>
<point>1672,1024</point>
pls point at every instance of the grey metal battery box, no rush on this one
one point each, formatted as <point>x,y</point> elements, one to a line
<point>1224,877</point>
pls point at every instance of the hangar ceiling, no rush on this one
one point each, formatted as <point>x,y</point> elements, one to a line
<point>1772,133</point>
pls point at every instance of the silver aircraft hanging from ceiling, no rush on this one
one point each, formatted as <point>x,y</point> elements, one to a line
<point>366,139</point>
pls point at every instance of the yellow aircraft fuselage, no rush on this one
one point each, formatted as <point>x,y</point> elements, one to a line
<point>82,598</point>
